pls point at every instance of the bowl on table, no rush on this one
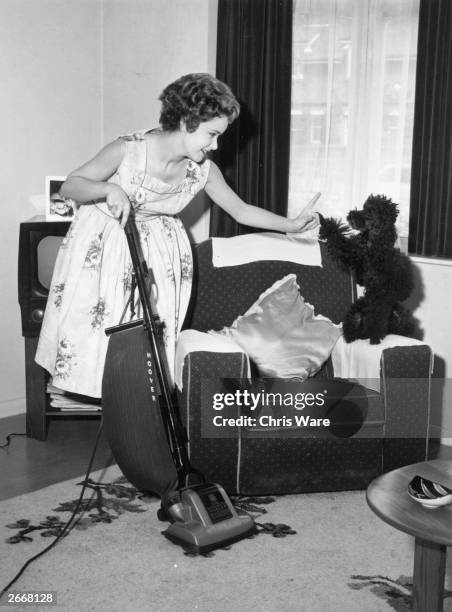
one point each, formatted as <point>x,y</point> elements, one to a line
<point>429,493</point>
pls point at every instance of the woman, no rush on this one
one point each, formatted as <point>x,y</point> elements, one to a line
<point>157,173</point>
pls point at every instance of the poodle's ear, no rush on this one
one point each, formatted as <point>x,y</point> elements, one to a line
<point>330,227</point>
<point>392,210</point>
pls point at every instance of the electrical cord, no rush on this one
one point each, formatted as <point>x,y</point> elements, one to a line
<point>9,436</point>
<point>68,526</point>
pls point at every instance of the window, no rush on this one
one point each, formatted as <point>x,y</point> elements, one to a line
<point>353,81</point>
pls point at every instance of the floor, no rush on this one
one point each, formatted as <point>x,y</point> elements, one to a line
<point>28,465</point>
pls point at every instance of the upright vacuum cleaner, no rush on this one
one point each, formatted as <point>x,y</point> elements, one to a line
<point>145,433</point>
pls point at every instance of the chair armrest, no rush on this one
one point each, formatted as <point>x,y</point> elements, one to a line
<point>192,341</point>
<point>369,363</point>
<point>400,369</point>
<point>406,393</point>
<point>406,396</point>
<point>205,362</point>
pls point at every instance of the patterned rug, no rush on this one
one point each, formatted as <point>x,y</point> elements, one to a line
<point>335,554</point>
<point>112,499</point>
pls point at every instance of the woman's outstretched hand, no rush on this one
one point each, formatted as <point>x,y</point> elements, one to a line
<point>118,203</point>
<point>307,219</point>
<point>304,222</point>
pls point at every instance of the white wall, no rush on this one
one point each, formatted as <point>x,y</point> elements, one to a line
<point>50,119</point>
<point>148,44</point>
<point>73,75</point>
<point>435,315</point>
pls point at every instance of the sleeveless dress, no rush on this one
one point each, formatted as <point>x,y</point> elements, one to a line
<point>91,282</point>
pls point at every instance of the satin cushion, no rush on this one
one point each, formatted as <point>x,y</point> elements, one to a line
<point>282,334</point>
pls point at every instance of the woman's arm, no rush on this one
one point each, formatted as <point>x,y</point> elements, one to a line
<point>90,181</point>
<point>220,192</point>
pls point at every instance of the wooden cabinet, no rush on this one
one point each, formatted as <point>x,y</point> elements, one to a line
<point>32,299</point>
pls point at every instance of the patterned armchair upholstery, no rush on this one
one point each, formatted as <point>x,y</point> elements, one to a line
<point>396,419</point>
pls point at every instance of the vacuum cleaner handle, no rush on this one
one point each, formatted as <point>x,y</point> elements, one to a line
<point>145,282</point>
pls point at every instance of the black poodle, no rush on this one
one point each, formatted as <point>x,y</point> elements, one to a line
<point>385,273</point>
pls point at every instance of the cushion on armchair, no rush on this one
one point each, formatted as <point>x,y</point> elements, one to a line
<point>281,333</point>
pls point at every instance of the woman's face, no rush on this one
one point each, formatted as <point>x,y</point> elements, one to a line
<point>204,139</point>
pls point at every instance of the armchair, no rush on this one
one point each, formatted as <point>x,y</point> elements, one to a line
<point>395,412</point>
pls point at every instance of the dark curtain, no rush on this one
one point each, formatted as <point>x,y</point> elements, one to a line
<point>254,57</point>
<point>430,232</point>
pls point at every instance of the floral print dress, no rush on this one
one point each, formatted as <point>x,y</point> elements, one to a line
<point>92,278</point>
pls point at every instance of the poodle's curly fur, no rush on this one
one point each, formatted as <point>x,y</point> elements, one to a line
<point>385,273</point>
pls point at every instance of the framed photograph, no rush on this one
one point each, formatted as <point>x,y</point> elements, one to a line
<point>58,208</point>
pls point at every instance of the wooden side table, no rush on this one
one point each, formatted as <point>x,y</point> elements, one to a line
<point>387,496</point>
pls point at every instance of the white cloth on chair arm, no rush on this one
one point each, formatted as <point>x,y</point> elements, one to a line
<point>192,341</point>
<point>263,246</point>
<point>360,360</point>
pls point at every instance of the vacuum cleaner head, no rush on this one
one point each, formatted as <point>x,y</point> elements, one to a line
<point>205,519</point>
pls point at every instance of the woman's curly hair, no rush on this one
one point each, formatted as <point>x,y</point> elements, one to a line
<point>195,98</point>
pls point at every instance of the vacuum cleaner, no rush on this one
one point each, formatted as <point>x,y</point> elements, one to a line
<point>145,433</point>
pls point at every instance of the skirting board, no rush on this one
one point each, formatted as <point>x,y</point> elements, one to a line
<point>12,406</point>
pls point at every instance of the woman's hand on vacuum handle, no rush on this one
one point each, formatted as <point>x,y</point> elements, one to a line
<point>118,203</point>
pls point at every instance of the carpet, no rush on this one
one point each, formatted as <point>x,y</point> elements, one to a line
<point>337,555</point>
